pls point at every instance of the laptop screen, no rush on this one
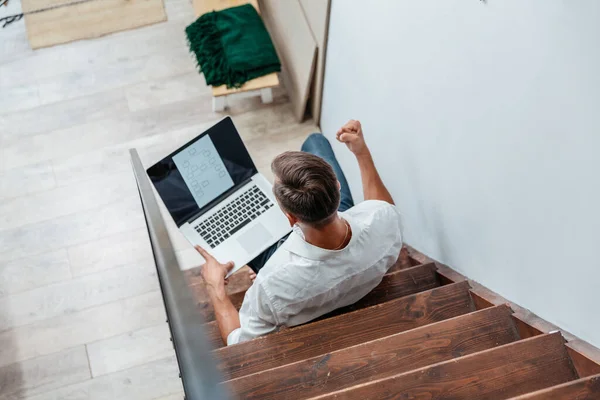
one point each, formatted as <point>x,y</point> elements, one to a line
<point>196,175</point>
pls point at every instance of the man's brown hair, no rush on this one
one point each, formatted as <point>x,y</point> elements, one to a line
<point>306,187</point>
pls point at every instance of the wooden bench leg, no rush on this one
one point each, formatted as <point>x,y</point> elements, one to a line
<point>219,103</point>
<point>266,95</point>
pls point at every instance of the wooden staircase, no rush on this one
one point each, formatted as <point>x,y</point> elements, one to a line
<point>425,332</point>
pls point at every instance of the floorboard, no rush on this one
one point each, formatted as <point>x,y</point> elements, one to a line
<point>33,272</point>
<point>44,373</point>
<point>109,252</point>
<point>78,294</point>
<point>130,349</point>
<point>147,381</point>
<point>82,327</point>
<point>18,182</point>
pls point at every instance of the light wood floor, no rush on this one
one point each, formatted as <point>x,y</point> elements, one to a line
<point>81,316</point>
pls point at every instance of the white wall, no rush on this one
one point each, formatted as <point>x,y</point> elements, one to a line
<point>484,120</point>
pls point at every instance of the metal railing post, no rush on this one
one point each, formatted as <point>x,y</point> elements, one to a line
<point>196,365</point>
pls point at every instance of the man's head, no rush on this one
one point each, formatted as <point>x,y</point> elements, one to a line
<point>306,188</point>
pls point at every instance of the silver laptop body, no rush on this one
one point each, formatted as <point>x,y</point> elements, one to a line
<point>217,197</point>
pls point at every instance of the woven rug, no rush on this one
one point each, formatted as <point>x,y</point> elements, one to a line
<point>63,21</point>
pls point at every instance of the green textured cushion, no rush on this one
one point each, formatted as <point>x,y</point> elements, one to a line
<point>232,46</point>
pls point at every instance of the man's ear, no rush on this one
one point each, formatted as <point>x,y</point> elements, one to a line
<point>293,220</point>
<point>339,186</point>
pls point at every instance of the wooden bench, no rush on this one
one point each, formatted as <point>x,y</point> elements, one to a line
<point>261,86</point>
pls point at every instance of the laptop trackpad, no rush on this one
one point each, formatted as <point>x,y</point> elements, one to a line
<point>254,238</point>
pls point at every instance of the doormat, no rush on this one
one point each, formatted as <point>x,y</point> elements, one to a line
<point>51,22</point>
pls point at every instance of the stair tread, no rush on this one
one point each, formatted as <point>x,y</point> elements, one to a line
<point>321,337</point>
<point>587,388</point>
<point>404,261</point>
<point>379,358</point>
<point>499,373</point>
<point>586,358</point>
<point>393,285</point>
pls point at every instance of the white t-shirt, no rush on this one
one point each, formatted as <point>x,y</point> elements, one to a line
<point>301,282</point>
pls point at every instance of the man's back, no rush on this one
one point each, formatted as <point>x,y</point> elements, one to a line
<point>301,282</point>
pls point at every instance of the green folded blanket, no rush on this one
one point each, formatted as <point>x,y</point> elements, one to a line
<point>232,46</point>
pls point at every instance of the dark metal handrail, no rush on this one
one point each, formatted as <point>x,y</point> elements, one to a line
<point>196,365</point>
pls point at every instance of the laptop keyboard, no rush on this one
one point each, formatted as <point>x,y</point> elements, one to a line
<point>239,212</point>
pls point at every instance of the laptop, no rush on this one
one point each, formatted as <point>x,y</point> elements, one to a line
<point>217,197</point>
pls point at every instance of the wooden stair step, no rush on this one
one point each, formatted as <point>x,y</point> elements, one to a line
<point>582,389</point>
<point>499,373</point>
<point>404,261</point>
<point>321,337</point>
<point>397,284</point>
<point>394,285</point>
<point>585,357</point>
<point>383,357</point>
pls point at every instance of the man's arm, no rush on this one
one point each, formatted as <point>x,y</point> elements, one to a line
<point>228,318</point>
<point>257,316</point>
<point>373,188</point>
<point>213,272</point>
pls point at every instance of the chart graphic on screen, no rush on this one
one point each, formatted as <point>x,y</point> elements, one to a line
<point>203,171</point>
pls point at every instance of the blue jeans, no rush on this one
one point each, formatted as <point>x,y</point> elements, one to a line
<point>318,145</point>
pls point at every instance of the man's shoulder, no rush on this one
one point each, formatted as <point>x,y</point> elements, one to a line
<point>373,208</point>
<point>378,218</point>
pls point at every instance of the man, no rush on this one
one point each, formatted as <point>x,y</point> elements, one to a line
<point>336,254</point>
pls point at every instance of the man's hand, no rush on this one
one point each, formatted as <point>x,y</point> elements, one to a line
<point>213,272</point>
<point>252,276</point>
<point>352,135</point>
<point>373,187</point>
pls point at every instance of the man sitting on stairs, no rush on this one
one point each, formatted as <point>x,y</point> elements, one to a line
<point>336,254</point>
